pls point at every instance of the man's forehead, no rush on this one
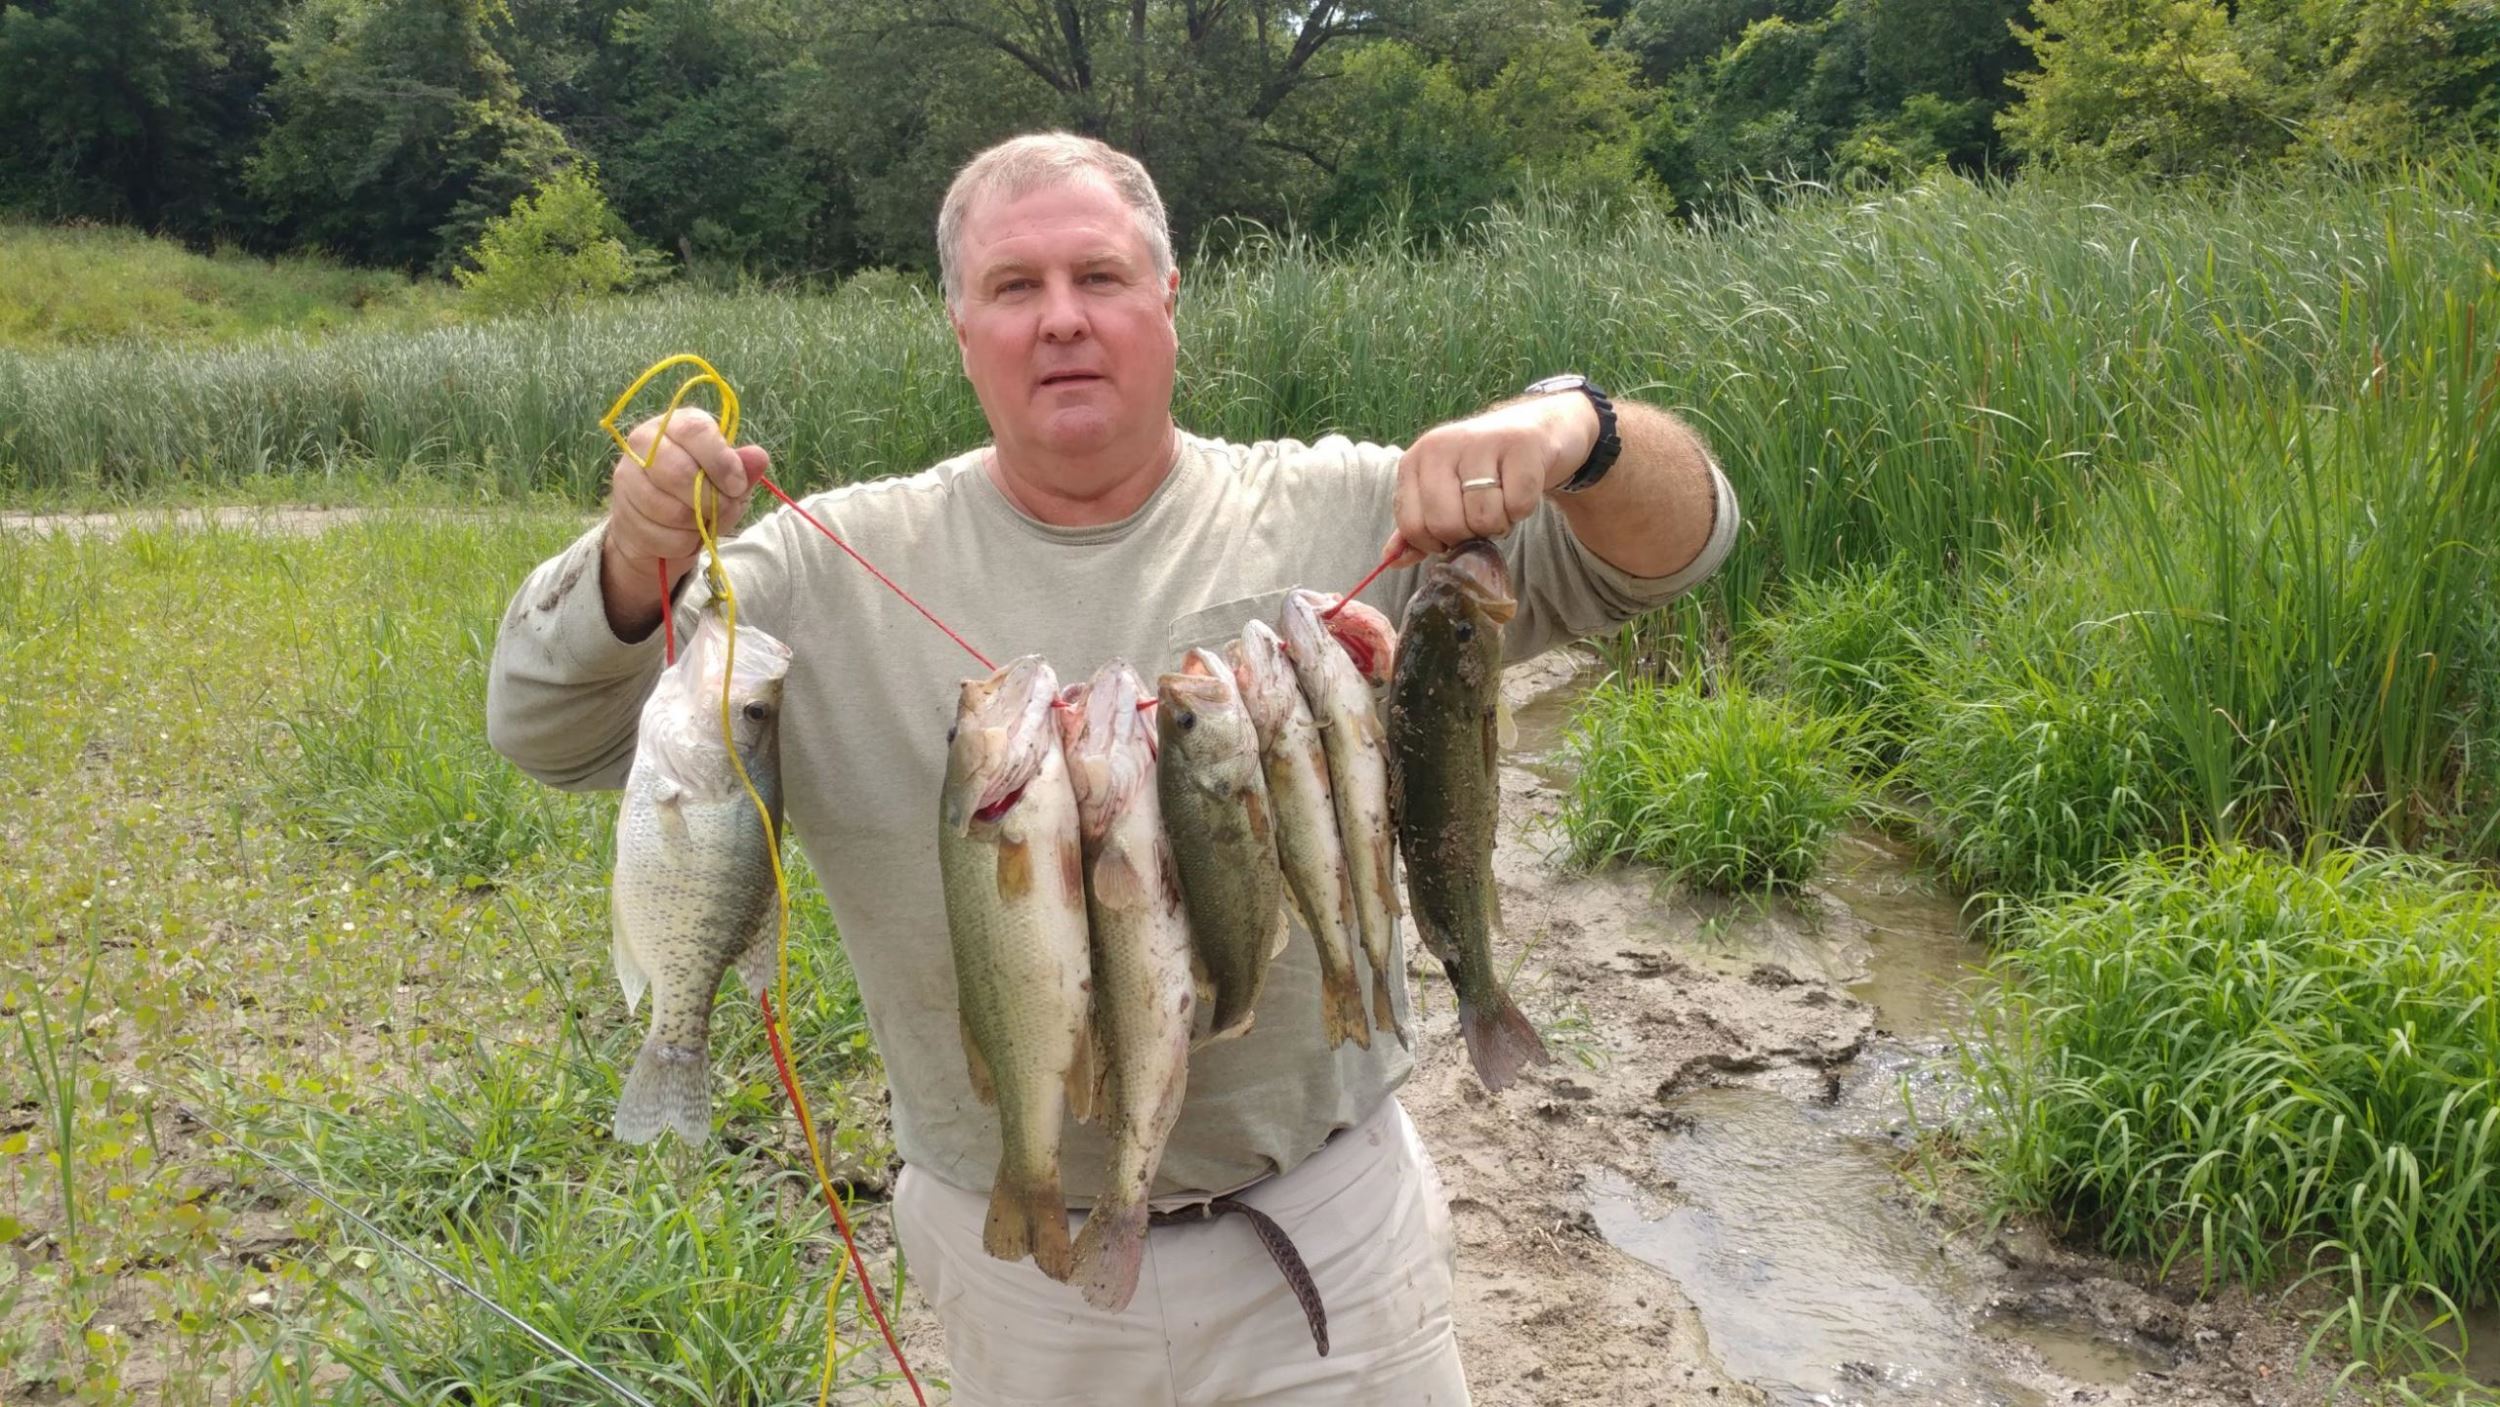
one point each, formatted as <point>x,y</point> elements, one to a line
<point>1082,216</point>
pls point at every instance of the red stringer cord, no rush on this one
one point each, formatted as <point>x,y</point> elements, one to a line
<point>841,1223</point>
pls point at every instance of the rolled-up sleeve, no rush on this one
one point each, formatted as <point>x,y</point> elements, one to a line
<point>1567,592</point>
<point>563,694</point>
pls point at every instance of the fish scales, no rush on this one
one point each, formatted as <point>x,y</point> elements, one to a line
<point>693,892</point>
<point>1013,870</point>
<point>1444,708</point>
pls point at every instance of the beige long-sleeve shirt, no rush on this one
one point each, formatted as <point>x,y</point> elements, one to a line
<point>872,691</point>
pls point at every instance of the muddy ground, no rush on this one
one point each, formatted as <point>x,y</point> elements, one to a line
<point>1716,1063</point>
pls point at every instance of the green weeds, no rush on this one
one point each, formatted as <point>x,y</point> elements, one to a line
<point>234,758</point>
<point>1731,791</point>
<point>2246,1066</point>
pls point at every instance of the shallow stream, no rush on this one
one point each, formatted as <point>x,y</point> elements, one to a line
<point>1780,1209</point>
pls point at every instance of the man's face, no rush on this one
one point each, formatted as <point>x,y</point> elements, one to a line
<point>1066,331</point>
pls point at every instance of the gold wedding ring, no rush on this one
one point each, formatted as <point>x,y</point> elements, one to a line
<point>1480,483</point>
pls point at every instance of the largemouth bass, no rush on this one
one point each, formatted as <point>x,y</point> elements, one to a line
<point>1333,683</point>
<point>693,889</point>
<point>1444,717</point>
<point>1308,845</point>
<point>1015,916</point>
<point>1144,991</point>
<point>1223,830</point>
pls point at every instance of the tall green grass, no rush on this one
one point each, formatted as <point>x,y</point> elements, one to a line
<point>1929,372</point>
<point>2247,1066</point>
<point>2307,582</point>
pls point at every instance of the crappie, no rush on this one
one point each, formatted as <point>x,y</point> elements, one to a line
<point>1358,768</point>
<point>1144,993</point>
<point>1215,807</point>
<point>1444,711</point>
<point>1307,843</point>
<point>1015,916</point>
<point>693,889</point>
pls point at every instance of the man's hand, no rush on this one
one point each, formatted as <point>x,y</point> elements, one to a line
<point>651,512</point>
<point>1481,476</point>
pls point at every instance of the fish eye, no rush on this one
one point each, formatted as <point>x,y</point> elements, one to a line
<point>951,730</point>
<point>1466,631</point>
<point>1188,721</point>
<point>757,710</point>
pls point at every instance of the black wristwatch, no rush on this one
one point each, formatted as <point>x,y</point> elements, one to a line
<point>1609,444</point>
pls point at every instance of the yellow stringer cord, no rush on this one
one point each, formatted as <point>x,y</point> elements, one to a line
<point>706,512</point>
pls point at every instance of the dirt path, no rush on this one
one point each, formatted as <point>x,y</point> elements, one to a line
<point>282,520</point>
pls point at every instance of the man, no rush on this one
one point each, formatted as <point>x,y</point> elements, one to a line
<point>1091,528</point>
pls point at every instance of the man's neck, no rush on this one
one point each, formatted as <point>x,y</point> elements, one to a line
<point>1084,493</point>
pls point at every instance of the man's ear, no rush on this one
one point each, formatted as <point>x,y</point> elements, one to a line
<point>1171,292</point>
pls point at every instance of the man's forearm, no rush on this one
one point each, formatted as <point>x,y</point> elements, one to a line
<point>1651,515</point>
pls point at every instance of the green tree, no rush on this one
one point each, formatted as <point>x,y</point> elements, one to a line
<point>2186,85</point>
<point>136,110</point>
<point>559,245</point>
<point>400,131</point>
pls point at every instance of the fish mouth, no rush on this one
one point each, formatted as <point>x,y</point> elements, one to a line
<point>1476,568</point>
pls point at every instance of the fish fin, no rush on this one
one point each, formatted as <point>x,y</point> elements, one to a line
<point>1284,934</point>
<point>761,962</point>
<point>1385,859</point>
<point>1015,869</point>
<point>1117,884</point>
<point>668,1088</point>
<point>1028,1218</point>
<point>1109,1252</point>
<point>1505,727</point>
<point>983,1087</point>
<point>1499,1040</point>
<point>1436,942</point>
<point>1341,1007</point>
<point>668,806</point>
<point>629,973</point>
<point>1085,1074</point>
<point>1202,1003</point>
<point>1238,1028</point>
<point>1385,1005</point>
<point>1493,721</point>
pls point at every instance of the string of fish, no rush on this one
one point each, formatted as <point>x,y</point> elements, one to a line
<point>706,515</point>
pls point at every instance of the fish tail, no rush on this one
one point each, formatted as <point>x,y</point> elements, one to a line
<point>1384,1002</point>
<point>1110,1250</point>
<point>668,1088</point>
<point>1028,1218</point>
<point>1499,1040</point>
<point>1341,1007</point>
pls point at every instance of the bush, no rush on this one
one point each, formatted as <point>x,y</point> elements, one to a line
<point>2233,1060</point>
<point>1851,647</point>
<point>2039,755</point>
<point>560,245</point>
<point>1732,792</point>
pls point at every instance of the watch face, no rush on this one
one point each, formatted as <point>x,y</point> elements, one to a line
<point>1568,381</point>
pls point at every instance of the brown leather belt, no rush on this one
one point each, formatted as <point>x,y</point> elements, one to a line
<point>1280,1249</point>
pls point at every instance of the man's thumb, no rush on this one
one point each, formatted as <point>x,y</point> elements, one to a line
<point>755,461</point>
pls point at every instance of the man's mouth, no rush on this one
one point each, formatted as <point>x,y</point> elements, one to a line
<point>1070,378</point>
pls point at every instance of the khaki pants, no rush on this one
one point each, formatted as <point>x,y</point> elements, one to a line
<point>1213,1324</point>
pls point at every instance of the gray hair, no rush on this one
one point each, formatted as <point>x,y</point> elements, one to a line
<point>1022,165</point>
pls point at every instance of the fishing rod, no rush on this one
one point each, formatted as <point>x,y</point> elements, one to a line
<point>604,1378</point>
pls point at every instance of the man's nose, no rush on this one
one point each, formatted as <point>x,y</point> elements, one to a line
<point>1063,313</point>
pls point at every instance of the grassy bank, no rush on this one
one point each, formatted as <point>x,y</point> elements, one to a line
<point>2246,1068</point>
<point>64,287</point>
<point>261,863</point>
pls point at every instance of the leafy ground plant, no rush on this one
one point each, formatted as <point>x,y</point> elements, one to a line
<point>1851,646</point>
<point>2249,1066</point>
<point>1731,791</point>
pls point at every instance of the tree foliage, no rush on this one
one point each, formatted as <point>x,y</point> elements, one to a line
<point>811,138</point>
<point>557,246</point>
<point>2188,85</point>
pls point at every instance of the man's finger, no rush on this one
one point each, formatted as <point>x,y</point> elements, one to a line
<point>1481,498</point>
<point>1523,487</point>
